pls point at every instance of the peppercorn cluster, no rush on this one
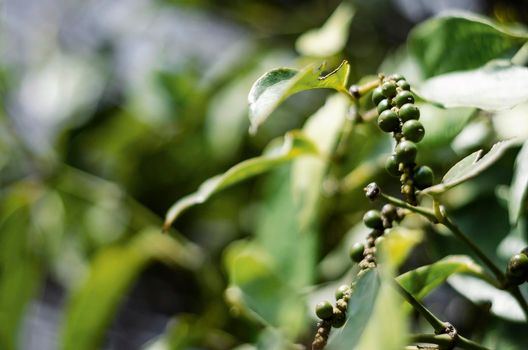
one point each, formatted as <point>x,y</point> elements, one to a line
<point>398,115</point>
<point>365,256</point>
<point>517,270</point>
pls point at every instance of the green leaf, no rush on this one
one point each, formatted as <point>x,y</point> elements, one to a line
<point>270,90</point>
<point>421,281</point>
<point>360,308</point>
<point>331,38</point>
<point>478,291</point>
<point>295,145</point>
<point>256,288</point>
<point>442,125</point>
<point>498,85</point>
<point>519,185</point>
<point>469,167</point>
<point>461,41</point>
<point>92,306</point>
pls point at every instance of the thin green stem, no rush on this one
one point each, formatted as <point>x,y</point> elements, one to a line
<point>428,213</point>
<point>444,341</point>
<point>471,245</point>
<point>516,293</point>
<point>434,321</point>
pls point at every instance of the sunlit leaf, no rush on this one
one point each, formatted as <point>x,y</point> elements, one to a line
<point>478,291</point>
<point>470,166</point>
<point>92,306</point>
<point>519,185</point>
<point>270,90</point>
<point>295,145</point>
<point>421,281</point>
<point>496,86</point>
<point>461,41</point>
<point>442,125</point>
<point>331,37</point>
<point>360,308</point>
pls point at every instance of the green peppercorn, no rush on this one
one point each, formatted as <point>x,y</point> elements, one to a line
<point>389,211</point>
<point>339,322</point>
<point>341,291</point>
<point>403,84</point>
<point>518,265</point>
<point>356,252</point>
<point>324,310</point>
<point>423,177</point>
<point>413,130</point>
<point>383,106</point>
<point>372,219</point>
<point>408,111</point>
<point>392,166</point>
<point>377,95</point>
<point>406,152</point>
<point>403,97</point>
<point>388,121</point>
<point>388,89</point>
<point>396,77</point>
<point>525,251</point>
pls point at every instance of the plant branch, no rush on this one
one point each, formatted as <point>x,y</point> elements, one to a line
<point>428,213</point>
<point>434,321</point>
<point>445,341</point>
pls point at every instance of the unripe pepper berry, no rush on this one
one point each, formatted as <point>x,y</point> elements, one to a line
<point>383,106</point>
<point>403,97</point>
<point>396,77</point>
<point>388,121</point>
<point>423,177</point>
<point>408,111</point>
<point>372,219</point>
<point>377,95</point>
<point>389,211</point>
<point>406,152</point>
<point>392,166</point>
<point>356,252</point>
<point>388,89</point>
<point>413,130</point>
<point>402,83</point>
<point>341,291</point>
<point>518,265</point>
<point>324,310</point>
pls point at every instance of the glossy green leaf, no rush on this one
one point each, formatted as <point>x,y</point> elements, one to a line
<point>331,38</point>
<point>270,90</point>
<point>92,306</point>
<point>442,125</point>
<point>469,167</point>
<point>295,144</point>
<point>461,41</point>
<point>421,281</point>
<point>519,185</point>
<point>498,85</point>
<point>360,308</point>
<point>478,291</point>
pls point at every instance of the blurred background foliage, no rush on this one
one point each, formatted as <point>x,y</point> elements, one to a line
<point>111,111</point>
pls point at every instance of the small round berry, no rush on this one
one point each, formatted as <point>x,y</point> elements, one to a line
<point>341,291</point>
<point>372,219</point>
<point>388,89</point>
<point>403,97</point>
<point>339,322</point>
<point>324,310</point>
<point>518,265</point>
<point>413,130</point>
<point>383,106</point>
<point>423,177</point>
<point>389,211</point>
<point>406,152</point>
<point>388,121</point>
<point>372,191</point>
<point>392,166</point>
<point>408,111</point>
<point>377,95</point>
<point>402,83</point>
<point>396,77</point>
<point>356,252</point>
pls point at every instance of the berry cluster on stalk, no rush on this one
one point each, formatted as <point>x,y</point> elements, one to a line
<point>365,256</point>
<point>398,115</point>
